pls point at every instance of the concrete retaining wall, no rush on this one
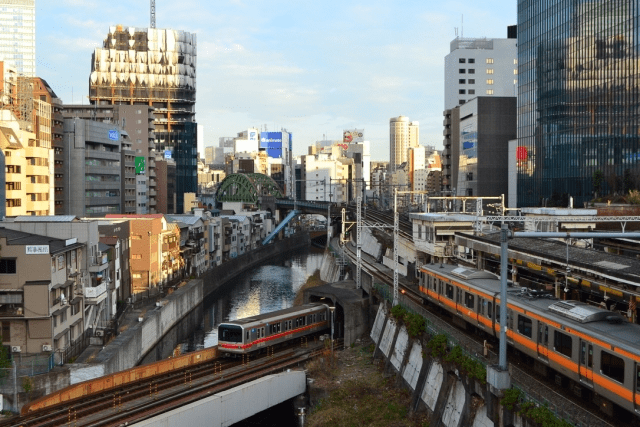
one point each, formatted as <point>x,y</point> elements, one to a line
<point>453,400</point>
<point>330,270</point>
<point>128,348</point>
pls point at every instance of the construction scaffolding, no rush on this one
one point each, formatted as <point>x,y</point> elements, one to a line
<point>147,66</point>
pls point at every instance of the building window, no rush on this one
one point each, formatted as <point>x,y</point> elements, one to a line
<point>461,101</point>
<point>489,91</point>
<point>489,60</point>
<point>461,81</point>
<point>136,256</point>
<point>489,70</point>
<point>6,332</point>
<point>461,91</point>
<point>472,81</point>
<point>472,91</point>
<point>7,266</point>
<point>462,71</point>
<point>461,60</point>
<point>472,71</point>
<point>472,60</point>
<point>489,81</point>
<point>515,71</point>
<point>515,62</point>
<point>515,82</point>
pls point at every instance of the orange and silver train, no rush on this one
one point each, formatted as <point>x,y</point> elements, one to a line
<point>594,347</point>
<point>253,333</point>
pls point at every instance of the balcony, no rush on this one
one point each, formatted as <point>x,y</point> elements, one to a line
<point>94,295</point>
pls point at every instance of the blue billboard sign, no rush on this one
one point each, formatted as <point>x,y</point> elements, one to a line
<point>167,154</point>
<point>272,142</point>
<point>113,135</point>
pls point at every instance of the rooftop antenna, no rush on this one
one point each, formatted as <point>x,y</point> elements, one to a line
<point>153,13</point>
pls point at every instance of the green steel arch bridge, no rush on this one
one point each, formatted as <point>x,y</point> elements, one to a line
<point>261,191</point>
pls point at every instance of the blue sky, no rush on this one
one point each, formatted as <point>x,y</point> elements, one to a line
<point>312,67</point>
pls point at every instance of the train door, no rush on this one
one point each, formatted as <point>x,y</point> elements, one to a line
<point>636,397</point>
<point>586,363</point>
<point>543,342</point>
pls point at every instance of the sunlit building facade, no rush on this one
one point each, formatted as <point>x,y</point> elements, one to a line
<point>578,94</point>
<point>18,35</point>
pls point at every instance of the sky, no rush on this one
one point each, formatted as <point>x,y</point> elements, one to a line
<point>312,67</point>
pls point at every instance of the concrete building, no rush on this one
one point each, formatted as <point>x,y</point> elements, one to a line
<point>139,122</point>
<point>95,183</point>
<point>480,67</point>
<point>27,177</point>
<point>41,301</point>
<point>89,271</point>
<point>451,151</point>
<point>18,35</point>
<point>403,135</point>
<point>486,126</point>
<point>43,92</point>
<point>154,67</point>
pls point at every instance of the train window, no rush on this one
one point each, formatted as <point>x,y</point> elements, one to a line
<point>543,334</point>
<point>449,291</point>
<point>481,303</point>
<point>490,310</point>
<point>638,378</point>
<point>612,366</point>
<point>562,343</point>
<point>262,332</point>
<point>247,337</point>
<point>468,300</point>
<point>524,326</point>
<point>290,324</point>
<point>458,296</point>
<point>230,333</point>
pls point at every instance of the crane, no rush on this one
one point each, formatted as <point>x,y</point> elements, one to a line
<point>153,13</point>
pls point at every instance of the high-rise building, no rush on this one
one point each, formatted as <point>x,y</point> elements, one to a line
<point>578,96</point>
<point>403,135</point>
<point>154,67</point>
<point>18,35</point>
<point>480,67</point>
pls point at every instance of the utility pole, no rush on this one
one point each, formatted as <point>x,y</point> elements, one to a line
<point>153,13</point>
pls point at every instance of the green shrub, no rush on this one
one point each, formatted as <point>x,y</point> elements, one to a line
<point>511,399</point>
<point>438,346</point>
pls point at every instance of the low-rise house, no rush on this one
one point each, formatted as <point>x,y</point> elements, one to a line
<point>41,300</point>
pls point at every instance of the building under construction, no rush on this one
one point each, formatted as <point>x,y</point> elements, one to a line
<point>154,67</point>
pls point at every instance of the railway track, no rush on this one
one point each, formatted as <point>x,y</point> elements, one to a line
<point>149,397</point>
<point>568,406</point>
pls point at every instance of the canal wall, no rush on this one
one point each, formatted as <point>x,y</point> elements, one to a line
<point>218,276</point>
<point>452,398</point>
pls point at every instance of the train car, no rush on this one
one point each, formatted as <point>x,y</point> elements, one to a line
<point>244,336</point>
<point>596,348</point>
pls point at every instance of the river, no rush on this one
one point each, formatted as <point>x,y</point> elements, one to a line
<point>269,287</point>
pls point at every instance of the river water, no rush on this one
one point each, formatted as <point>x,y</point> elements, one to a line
<point>269,287</point>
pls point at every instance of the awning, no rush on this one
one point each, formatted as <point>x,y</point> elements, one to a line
<point>61,334</point>
<point>60,310</point>
<point>63,285</point>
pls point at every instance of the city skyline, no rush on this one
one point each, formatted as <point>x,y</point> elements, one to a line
<point>314,70</point>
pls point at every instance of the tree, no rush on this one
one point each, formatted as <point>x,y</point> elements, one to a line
<point>598,178</point>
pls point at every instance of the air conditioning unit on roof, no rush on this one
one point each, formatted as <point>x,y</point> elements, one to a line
<point>16,349</point>
<point>46,348</point>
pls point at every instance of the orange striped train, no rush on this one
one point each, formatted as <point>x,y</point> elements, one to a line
<point>253,333</point>
<point>597,349</point>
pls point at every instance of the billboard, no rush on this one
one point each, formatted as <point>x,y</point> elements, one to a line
<point>272,142</point>
<point>113,135</point>
<point>167,154</point>
<point>353,135</point>
<point>140,163</point>
<point>252,134</point>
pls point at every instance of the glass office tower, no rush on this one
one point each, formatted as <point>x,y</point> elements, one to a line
<point>18,35</point>
<point>578,98</point>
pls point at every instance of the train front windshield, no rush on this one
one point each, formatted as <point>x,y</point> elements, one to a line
<point>229,333</point>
